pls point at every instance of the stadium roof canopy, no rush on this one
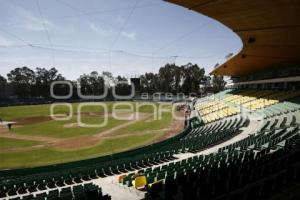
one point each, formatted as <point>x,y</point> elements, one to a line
<point>269,30</point>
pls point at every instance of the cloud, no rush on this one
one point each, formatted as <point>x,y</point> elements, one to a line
<point>99,30</point>
<point>32,22</point>
<point>128,35</point>
<point>5,42</point>
<point>120,19</point>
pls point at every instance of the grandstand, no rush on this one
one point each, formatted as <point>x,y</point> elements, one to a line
<point>240,144</point>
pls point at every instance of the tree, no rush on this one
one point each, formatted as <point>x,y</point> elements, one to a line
<point>22,80</point>
<point>177,76</point>
<point>44,78</point>
<point>108,78</point>
<point>3,81</point>
<point>186,79</point>
<point>149,83</point>
<point>218,83</point>
<point>192,77</point>
<point>206,85</point>
<point>166,78</point>
<point>122,88</point>
<point>174,79</point>
<point>91,84</point>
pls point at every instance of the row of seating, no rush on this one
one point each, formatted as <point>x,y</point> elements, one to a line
<point>213,110</point>
<point>217,126</point>
<point>280,108</point>
<point>18,185</point>
<point>217,133</point>
<point>208,135</point>
<point>79,192</point>
<point>243,97</point>
<point>239,176</point>
<point>258,99</point>
<point>219,114</point>
<point>197,140</point>
<point>222,175</point>
<point>264,165</point>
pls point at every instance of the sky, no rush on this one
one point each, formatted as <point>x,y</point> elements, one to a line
<point>126,38</point>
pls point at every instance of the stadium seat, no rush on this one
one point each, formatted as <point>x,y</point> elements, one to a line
<point>140,182</point>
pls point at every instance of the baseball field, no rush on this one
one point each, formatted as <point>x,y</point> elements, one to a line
<point>40,136</point>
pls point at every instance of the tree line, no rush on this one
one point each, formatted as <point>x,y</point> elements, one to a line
<point>171,78</point>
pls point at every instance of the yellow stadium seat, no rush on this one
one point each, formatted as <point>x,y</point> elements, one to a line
<point>139,182</point>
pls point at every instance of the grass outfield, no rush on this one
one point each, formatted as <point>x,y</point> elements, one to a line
<point>51,156</point>
<point>147,125</point>
<point>58,129</point>
<point>13,143</point>
<point>17,112</point>
<point>38,140</point>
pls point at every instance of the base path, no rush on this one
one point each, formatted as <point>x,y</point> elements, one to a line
<point>109,131</point>
<point>9,134</point>
<point>88,141</point>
